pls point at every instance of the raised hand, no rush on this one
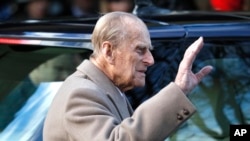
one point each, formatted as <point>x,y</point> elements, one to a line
<point>185,78</point>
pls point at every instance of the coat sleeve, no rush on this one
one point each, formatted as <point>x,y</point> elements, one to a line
<point>89,117</point>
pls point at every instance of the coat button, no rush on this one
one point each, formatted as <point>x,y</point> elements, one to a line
<point>185,112</point>
<point>179,117</point>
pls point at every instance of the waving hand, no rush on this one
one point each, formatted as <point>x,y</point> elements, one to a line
<point>185,78</point>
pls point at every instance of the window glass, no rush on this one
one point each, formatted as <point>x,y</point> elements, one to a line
<point>222,98</point>
<point>24,108</point>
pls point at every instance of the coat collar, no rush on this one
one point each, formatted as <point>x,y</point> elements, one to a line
<point>97,76</point>
<point>100,79</point>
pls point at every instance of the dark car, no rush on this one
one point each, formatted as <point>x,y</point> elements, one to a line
<point>36,56</point>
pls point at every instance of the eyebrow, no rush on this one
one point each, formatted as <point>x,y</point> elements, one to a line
<point>144,46</point>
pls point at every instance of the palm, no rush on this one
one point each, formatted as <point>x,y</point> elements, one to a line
<point>185,78</point>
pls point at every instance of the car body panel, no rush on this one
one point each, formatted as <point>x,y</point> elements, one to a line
<point>222,98</point>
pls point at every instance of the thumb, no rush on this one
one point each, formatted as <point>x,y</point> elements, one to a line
<point>203,72</point>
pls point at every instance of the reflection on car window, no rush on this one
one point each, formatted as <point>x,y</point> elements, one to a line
<point>28,121</point>
<point>222,98</point>
<point>56,69</point>
<point>20,106</point>
<point>14,100</point>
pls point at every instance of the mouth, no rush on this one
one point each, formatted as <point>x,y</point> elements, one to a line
<point>143,72</point>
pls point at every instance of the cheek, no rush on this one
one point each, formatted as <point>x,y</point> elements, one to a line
<point>130,64</point>
<point>132,75</point>
<point>126,66</point>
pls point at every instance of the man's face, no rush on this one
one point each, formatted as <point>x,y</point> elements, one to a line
<point>132,59</point>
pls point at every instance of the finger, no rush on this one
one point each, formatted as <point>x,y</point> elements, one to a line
<point>191,53</point>
<point>203,72</point>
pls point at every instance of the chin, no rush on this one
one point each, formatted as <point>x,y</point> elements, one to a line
<point>140,84</point>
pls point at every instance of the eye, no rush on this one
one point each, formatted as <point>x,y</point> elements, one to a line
<point>141,51</point>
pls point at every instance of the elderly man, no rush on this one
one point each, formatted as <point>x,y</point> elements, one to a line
<point>91,105</point>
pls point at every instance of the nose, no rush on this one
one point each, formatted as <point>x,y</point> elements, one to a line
<point>148,58</point>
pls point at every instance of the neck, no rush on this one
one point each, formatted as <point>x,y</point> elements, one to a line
<point>108,70</point>
<point>104,67</point>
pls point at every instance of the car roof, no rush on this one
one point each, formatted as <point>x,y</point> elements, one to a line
<point>175,25</point>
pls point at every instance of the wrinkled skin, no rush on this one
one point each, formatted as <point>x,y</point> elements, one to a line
<point>185,78</point>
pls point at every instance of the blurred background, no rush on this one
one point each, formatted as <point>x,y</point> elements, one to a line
<point>40,9</point>
<point>25,103</point>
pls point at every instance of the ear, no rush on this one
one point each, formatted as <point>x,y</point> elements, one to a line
<point>108,51</point>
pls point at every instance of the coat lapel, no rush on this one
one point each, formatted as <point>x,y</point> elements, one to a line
<point>99,78</point>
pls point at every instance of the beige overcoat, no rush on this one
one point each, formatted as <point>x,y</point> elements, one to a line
<point>88,107</point>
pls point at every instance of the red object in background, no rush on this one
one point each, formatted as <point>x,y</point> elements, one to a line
<point>227,5</point>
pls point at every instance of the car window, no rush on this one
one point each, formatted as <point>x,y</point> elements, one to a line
<point>28,120</point>
<point>222,98</point>
<point>30,76</point>
<point>29,84</point>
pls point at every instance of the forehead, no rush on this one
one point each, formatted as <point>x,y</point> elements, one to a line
<point>134,30</point>
<point>135,26</point>
<point>139,35</point>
